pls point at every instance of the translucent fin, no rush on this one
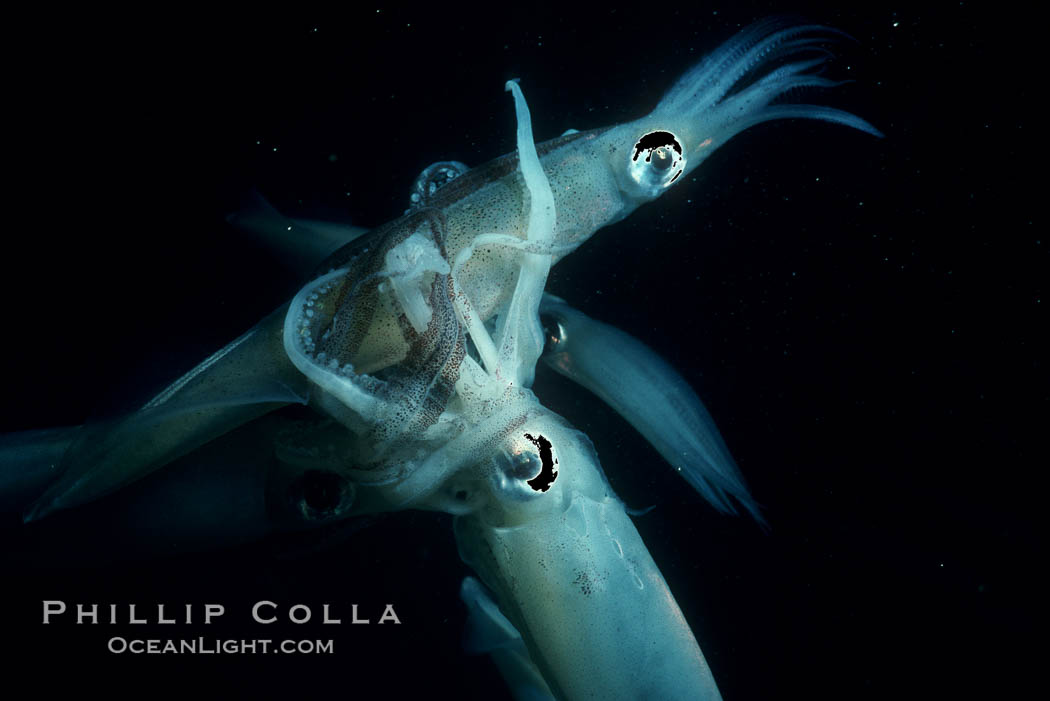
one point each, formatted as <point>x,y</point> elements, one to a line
<point>230,492</point>
<point>489,632</point>
<point>650,395</point>
<point>246,379</point>
<point>29,462</point>
<point>300,243</point>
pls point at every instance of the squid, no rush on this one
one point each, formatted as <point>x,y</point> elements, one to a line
<point>413,348</point>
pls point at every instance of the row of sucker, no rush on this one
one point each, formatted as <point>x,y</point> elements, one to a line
<point>417,389</point>
<point>358,299</point>
<point>426,379</point>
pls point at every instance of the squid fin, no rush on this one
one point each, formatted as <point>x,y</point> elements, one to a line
<point>246,379</point>
<point>489,631</point>
<point>300,243</point>
<point>29,462</point>
<point>651,395</point>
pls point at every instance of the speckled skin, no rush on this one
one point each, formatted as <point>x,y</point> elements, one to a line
<point>492,199</point>
<point>565,562</point>
<point>440,429</point>
<point>567,566</point>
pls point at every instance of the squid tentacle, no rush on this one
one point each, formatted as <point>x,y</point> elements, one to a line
<point>717,93</point>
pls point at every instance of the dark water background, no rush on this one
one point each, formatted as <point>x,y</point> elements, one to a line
<point>862,317</point>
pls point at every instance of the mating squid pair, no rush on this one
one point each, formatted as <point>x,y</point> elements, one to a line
<point>416,343</point>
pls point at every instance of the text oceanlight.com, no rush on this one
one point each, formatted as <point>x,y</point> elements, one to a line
<point>215,646</point>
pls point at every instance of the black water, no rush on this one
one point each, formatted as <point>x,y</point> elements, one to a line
<point>863,318</point>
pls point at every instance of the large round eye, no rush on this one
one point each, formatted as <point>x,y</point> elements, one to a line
<point>313,497</point>
<point>320,494</point>
<point>433,178</point>
<point>527,468</point>
<point>554,333</point>
<point>657,161</point>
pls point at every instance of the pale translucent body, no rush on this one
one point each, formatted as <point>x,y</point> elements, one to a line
<point>432,395</point>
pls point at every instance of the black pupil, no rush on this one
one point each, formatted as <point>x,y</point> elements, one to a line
<point>322,491</point>
<point>551,332</point>
<point>661,159</point>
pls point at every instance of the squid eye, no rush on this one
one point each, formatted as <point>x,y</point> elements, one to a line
<point>554,332</point>
<point>528,468</point>
<point>661,159</point>
<point>433,178</point>
<point>656,162</point>
<point>524,466</point>
<point>317,496</point>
